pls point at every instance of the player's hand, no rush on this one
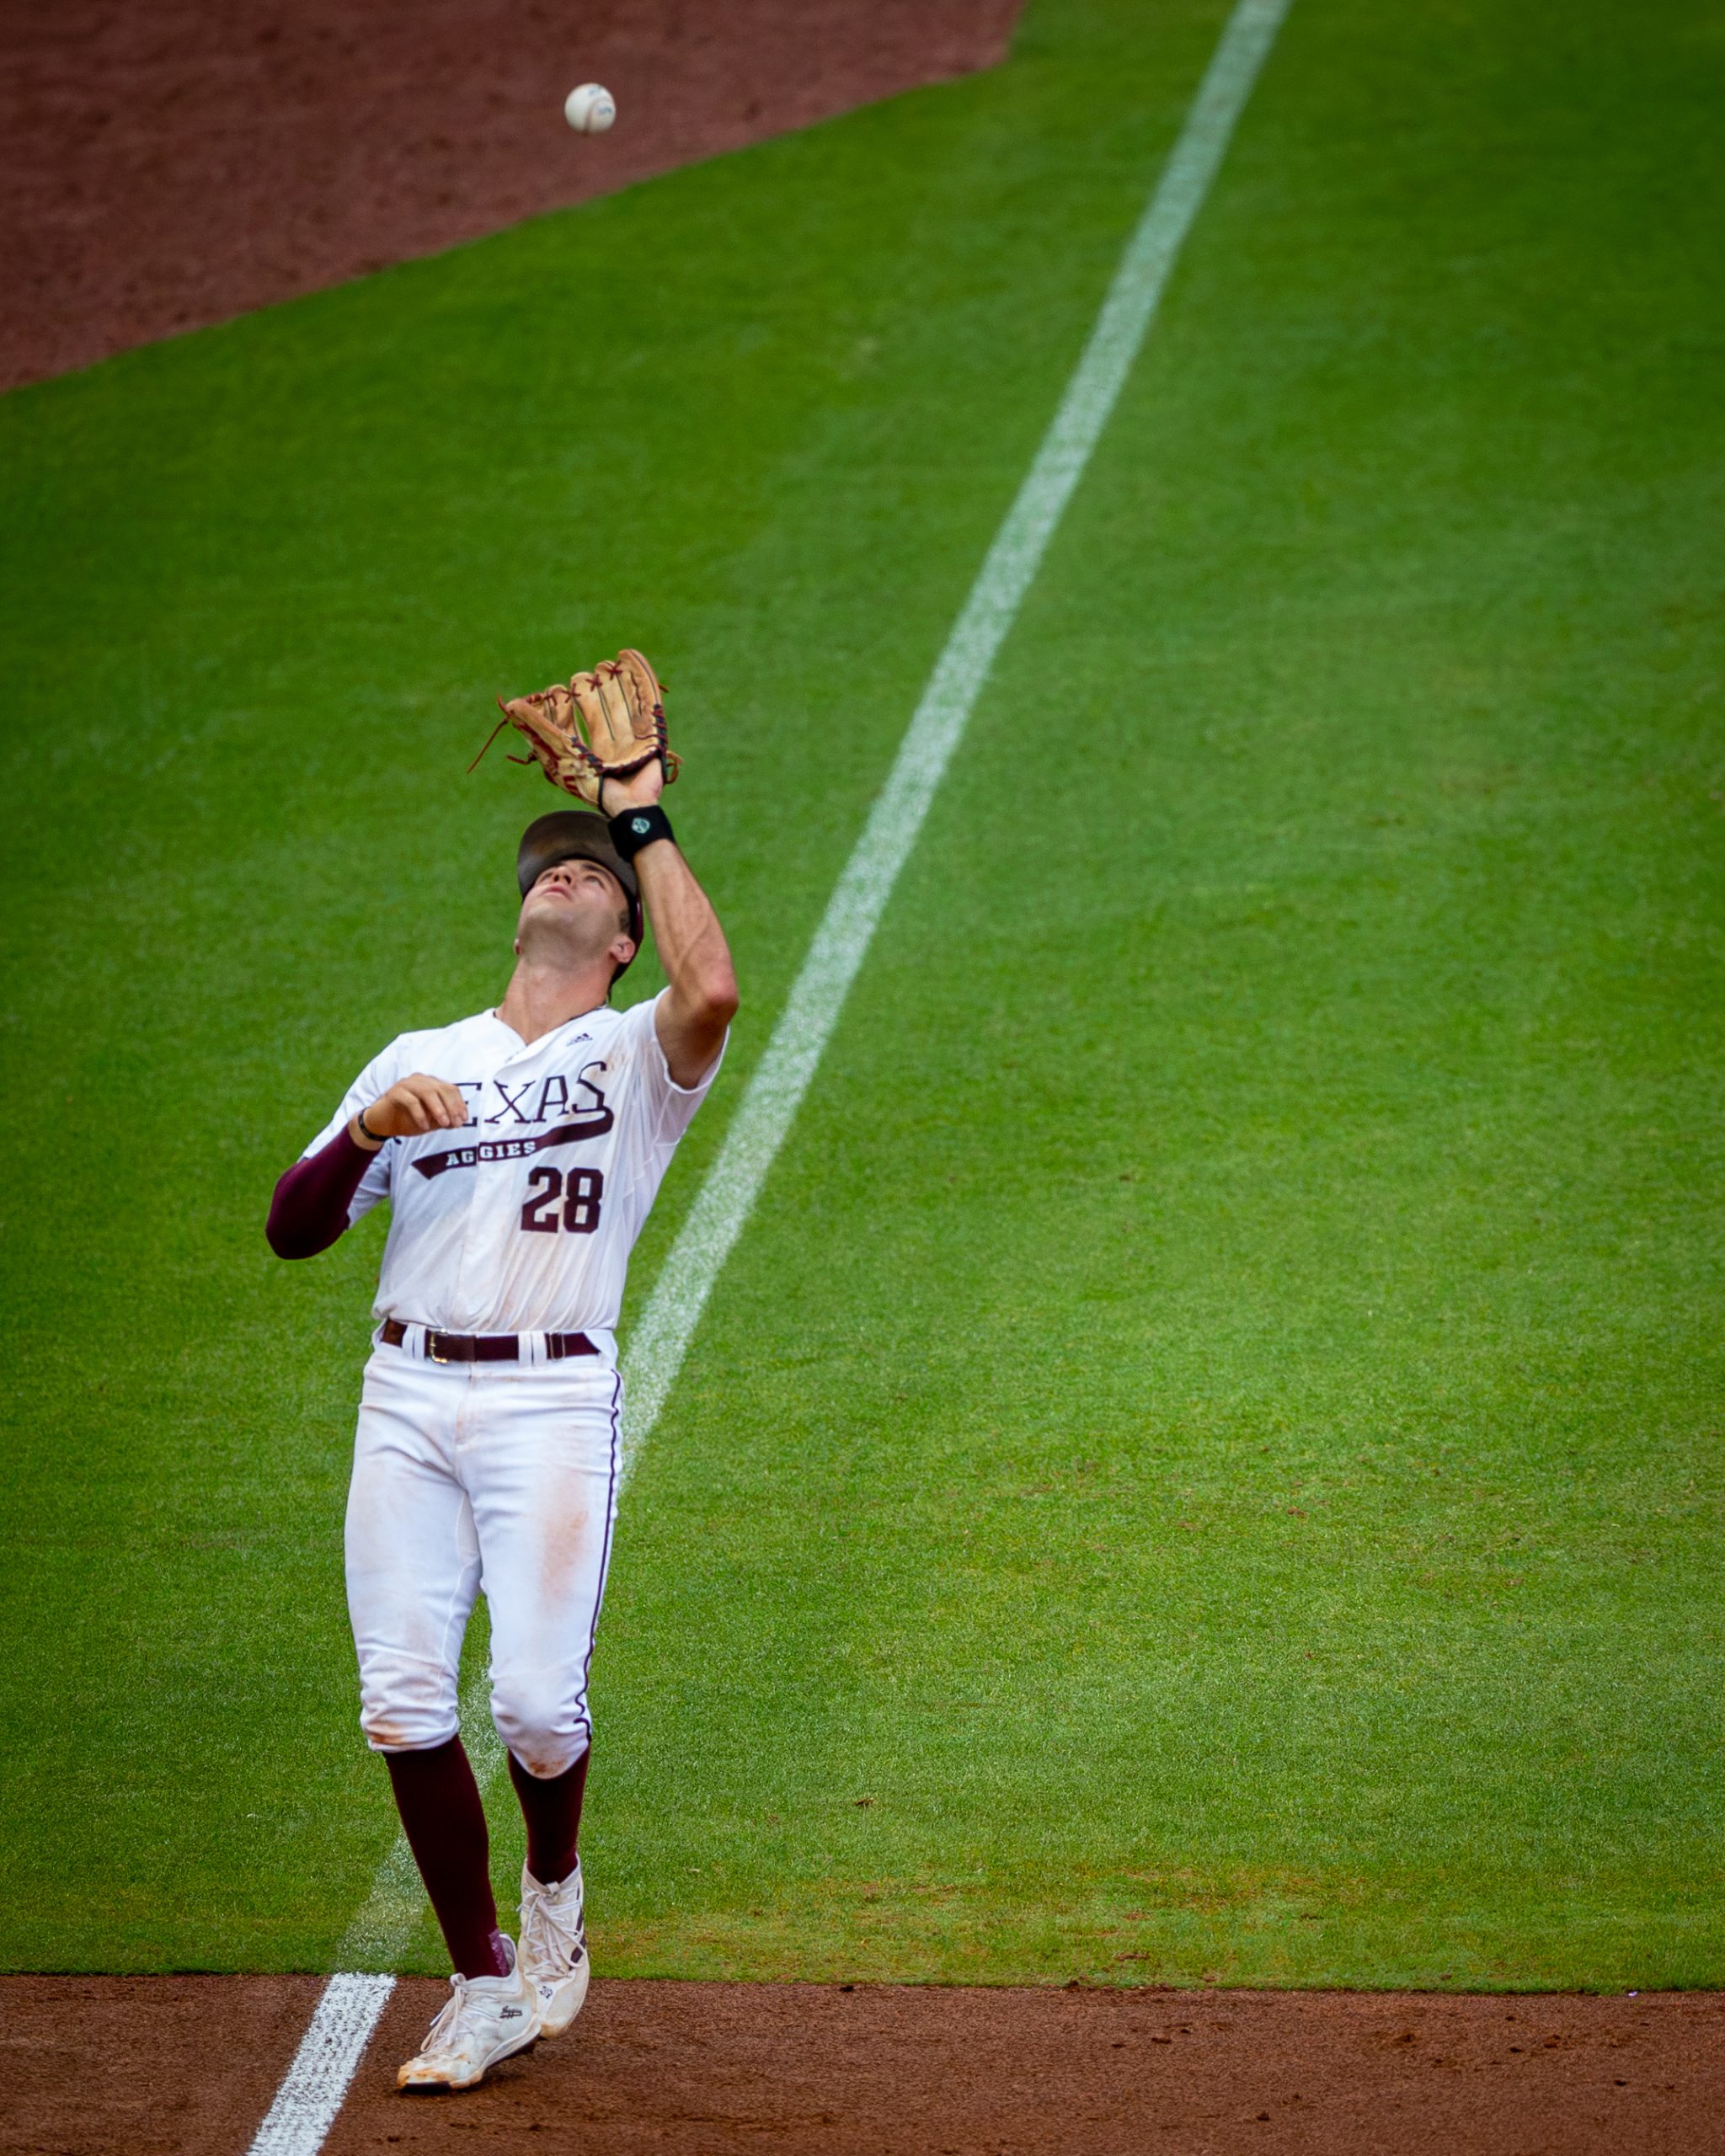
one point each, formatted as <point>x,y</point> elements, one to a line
<point>412,1107</point>
<point>640,790</point>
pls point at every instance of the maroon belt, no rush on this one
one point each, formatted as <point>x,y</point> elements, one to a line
<point>486,1347</point>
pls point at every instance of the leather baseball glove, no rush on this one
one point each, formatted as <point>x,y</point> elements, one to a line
<point>609,723</point>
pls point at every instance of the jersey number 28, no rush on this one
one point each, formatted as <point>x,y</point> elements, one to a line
<point>578,1196</point>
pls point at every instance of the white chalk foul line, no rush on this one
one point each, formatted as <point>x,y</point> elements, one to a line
<point>311,2096</point>
<point>310,2093</point>
<point>768,1106</point>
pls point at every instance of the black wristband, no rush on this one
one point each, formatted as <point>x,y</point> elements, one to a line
<point>360,1118</point>
<point>638,827</point>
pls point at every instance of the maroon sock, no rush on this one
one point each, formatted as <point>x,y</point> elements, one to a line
<point>444,1823</point>
<point>553,1811</point>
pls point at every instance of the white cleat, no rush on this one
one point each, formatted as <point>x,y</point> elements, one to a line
<point>488,2018</point>
<point>554,1949</point>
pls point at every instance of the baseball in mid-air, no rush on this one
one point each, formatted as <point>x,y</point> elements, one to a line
<point>590,109</point>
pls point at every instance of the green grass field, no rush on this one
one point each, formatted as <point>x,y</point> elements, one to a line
<point>1206,1460</point>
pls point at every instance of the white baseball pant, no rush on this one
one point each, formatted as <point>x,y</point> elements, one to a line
<point>494,1475</point>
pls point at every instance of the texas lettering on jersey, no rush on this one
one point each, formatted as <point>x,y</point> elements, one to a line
<point>590,1120</point>
<point>523,1220</point>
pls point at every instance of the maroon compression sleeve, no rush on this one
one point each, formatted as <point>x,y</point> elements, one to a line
<point>309,1210</point>
<point>552,1811</point>
<point>444,1823</point>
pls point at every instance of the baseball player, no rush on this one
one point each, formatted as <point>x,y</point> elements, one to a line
<point>520,1151</point>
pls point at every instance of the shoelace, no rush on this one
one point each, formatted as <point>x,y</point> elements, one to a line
<point>439,2036</point>
<point>554,1935</point>
<point>446,2029</point>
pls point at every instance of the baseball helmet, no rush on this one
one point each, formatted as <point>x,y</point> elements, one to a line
<point>572,834</point>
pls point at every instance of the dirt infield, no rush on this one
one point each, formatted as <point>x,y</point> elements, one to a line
<point>172,164</point>
<point>171,2064</point>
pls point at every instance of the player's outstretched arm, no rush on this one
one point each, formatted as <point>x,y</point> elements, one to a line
<point>702,984</point>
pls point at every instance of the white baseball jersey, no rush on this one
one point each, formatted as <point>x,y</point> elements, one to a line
<point>523,1220</point>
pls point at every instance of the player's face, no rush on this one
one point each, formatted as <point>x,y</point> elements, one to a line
<point>577,908</point>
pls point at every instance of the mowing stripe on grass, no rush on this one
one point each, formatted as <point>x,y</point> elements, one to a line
<point>769,1105</point>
